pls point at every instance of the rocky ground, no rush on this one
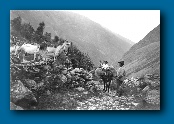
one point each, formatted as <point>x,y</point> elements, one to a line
<point>81,99</point>
<point>54,92</point>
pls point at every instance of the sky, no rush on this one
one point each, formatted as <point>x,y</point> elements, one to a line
<point>131,24</point>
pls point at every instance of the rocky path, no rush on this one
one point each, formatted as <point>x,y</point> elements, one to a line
<point>106,102</point>
<point>81,99</point>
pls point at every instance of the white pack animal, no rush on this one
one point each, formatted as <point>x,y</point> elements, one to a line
<point>51,51</point>
<point>64,47</point>
<point>30,49</point>
<point>48,53</point>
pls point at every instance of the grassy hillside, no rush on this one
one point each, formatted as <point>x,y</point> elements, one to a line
<point>144,57</point>
<point>88,36</point>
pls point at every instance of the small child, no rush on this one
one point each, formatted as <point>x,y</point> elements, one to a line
<point>105,65</point>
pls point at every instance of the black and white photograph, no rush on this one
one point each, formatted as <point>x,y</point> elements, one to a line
<point>84,59</point>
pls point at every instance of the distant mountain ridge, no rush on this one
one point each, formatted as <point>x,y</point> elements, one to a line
<point>144,56</point>
<point>87,35</point>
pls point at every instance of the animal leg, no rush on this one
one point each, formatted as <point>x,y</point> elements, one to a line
<point>23,57</point>
<point>54,58</point>
<point>34,56</point>
<point>108,86</point>
<point>104,86</point>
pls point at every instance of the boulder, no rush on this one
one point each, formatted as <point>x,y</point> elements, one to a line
<point>15,107</point>
<point>21,95</point>
<point>31,84</point>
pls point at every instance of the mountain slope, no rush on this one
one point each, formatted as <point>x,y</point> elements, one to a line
<point>144,56</point>
<point>87,35</point>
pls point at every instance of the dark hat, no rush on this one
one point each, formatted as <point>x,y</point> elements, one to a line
<point>122,62</point>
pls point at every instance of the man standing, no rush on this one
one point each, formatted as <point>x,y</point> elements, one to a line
<point>120,77</point>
